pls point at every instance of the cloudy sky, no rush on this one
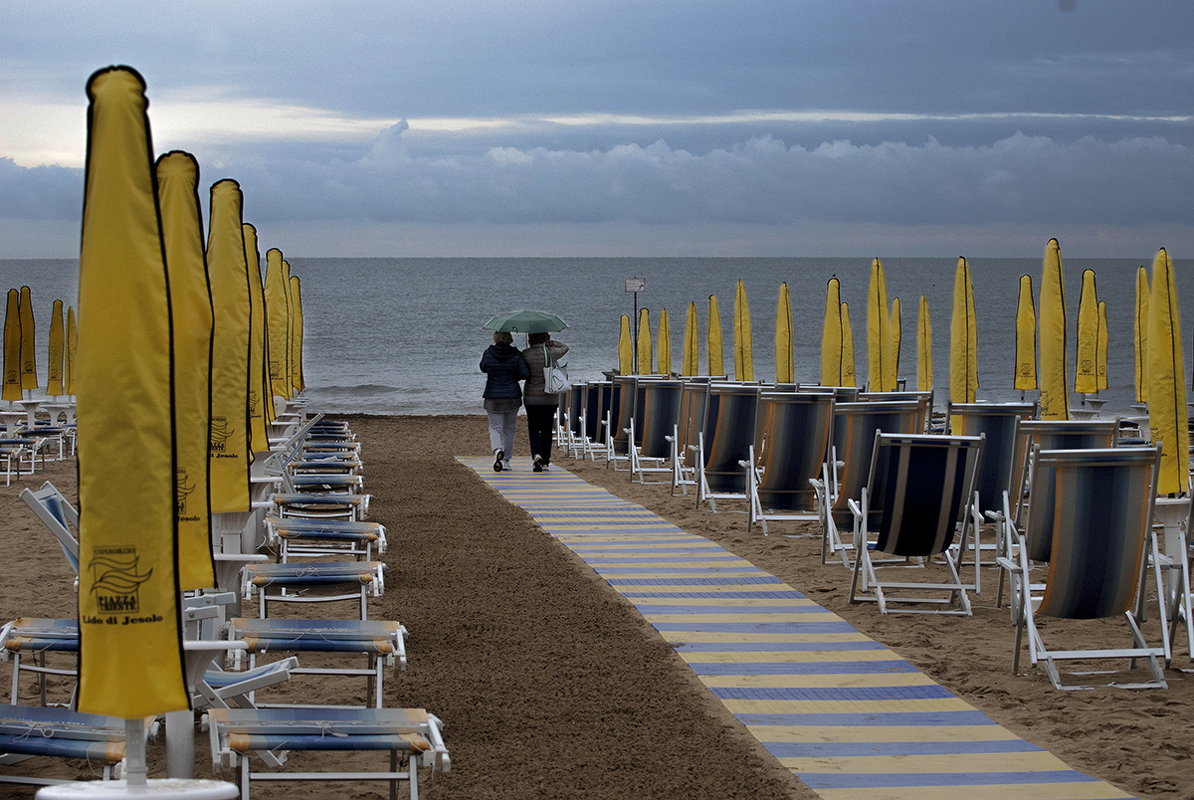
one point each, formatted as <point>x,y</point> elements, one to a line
<point>632,127</point>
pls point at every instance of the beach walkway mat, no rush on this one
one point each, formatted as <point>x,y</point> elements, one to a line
<point>849,718</point>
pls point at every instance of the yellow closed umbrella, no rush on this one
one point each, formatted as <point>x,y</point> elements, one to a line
<point>877,321</point>
<point>663,345</point>
<point>643,345</point>
<point>1101,348</point>
<point>963,340</point>
<point>1025,362</point>
<point>713,339</point>
<point>785,371</point>
<point>230,453</point>
<point>296,334</point>
<point>690,364</point>
<point>831,336</point>
<point>260,396</point>
<point>744,366</point>
<point>1168,415</point>
<point>130,634</point>
<point>1140,337</point>
<point>266,412</point>
<point>277,317</point>
<point>1086,379</point>
<point>1051,330</point>
<point>28,342</point>
<point>12,346</point>
<point>924,347</point>
<point>894,337</point>
<point>625,346</point>
<point>191,321</point>
<point>57,347</point>
<point>72,351</point>
<point>849,377</point>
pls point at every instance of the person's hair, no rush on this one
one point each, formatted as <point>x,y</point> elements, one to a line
<point>538,338</point>
<point>503,336</point>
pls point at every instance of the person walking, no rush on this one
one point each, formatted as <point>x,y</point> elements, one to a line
<point>541,407</point>
<point>504,366</point>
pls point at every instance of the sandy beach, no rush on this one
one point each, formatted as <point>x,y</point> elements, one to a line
<point>550,685</point>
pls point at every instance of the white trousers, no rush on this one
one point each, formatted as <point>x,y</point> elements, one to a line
<point>501,432</point>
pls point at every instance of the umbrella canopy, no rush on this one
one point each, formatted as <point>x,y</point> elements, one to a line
<point>625,346</point>
<point>28,342</point>
<point>296,334</point>
<point>713,339</point>
<point>663,345</point>
<point>642,349</point>
<point>1025,362</point>
<point>277,324</point>
<point>72,351</point>
<point>1055,392</point>
<point>526,322</point>
<point>57,345</point>
<point>690,363</point>
<point>963,339</point>
<point>744,364</point>
<point>1101,347</point>
<point>1168,415</point>
<point>260,396</point>
<point>12,346</point>
<point>894,336</point>
<point>877,321</point>
<point>849,376</point>
<point>924,347</point>
<point>1086,379</point>
<point>130,643</point>
<point>1140,336</point>
<point>784,368</point>
<point>831,336</point>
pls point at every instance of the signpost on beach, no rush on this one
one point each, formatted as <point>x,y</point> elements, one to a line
<point>634,286</point>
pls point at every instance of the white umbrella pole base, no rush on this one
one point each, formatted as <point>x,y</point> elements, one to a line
<point>153,789</point>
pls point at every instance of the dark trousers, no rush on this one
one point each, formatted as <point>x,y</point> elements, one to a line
<point>541,422</point>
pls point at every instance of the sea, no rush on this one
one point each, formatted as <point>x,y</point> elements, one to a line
<point>405,335</point>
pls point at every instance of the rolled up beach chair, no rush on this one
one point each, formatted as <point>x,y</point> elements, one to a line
<point>1097,536</point>
<point>295,536</point>
<point>796,432</point>
<point>655,422</point>
<point>313,582</point>
<point>381,642</point>
<point>27,731</point>
<point>917,502</point>
<point>411,736</point>
<point>724,442</point>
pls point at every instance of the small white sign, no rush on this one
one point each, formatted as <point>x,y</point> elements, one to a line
<point>636,284</point>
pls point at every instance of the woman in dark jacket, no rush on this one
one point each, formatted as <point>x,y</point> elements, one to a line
<point>541,406</point>
<point>505,367</point>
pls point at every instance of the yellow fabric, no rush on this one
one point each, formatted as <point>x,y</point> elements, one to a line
<point>130,649</point>
<point>1051,331</point>
<point>72,351</point>
<point>690,363</point>
<point>1025,377</point>
<point>663,345</point>
<point>784,368</point>
<point>277,324</point>
<point>56,348</point>
<point>963,341</point>
<point>625,346</point>
<point>924,347</point>
<point>259,392</point>
<point>643,350</point>
<point>894,337</point>
<point>877,320</point>
<point>849,377</point>
<point>1168,415</point>
<point>230,456</point>
<point>831,336</point>
<point>191,316</point>
<point>1086,380</point>
<point>28,341</point>
<point>1101,347</point>
<point>270,406</point>
<point>1140,337</point>
<point>744,366</point>
<point>713,339</point>
<point>12,346</point>
<point>296,338</point>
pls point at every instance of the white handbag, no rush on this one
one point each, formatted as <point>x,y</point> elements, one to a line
<point>555,377</point>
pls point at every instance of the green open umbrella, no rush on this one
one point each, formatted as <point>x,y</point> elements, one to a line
<point>525,322</point>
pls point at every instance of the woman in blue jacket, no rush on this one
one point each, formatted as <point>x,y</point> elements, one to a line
<point>505,367</point>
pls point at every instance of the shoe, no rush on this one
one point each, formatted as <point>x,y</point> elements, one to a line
<point>538,464</point>
<point>499,457</point>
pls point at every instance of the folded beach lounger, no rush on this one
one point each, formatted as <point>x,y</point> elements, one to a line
<point>57,733</point>
<point>313,582</point>
<point>293,536</point>
<point>409,735</point>
<point>319,482</point>
<point>382,642</point>
<point>328,505</point>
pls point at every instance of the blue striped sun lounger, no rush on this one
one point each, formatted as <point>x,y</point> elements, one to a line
<point>296,536</point>
<point>321,505</point>
<point>59,733</point>
<point>313,582</point>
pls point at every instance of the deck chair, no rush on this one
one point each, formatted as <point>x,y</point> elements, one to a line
<point>313,582</point>
<point>381,642</point>
<point>409,735</point>
<point>796,431</point>
<point>655,425</point>
<point>59,516</point>
<point>924,401</point>
<point>21,453</point>
<point>28,731</point>
<point>919,497</point>
<point>724,441</point>
<point>296,536</point>
<point>845,472</point>
<point>598,397</point>
<point>1096,535</point>
<point>617,431</point>
<point>694,394</point>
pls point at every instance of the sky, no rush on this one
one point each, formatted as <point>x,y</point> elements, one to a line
<point>631,127</point>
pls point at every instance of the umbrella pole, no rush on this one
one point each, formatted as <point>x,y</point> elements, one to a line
<point>135,769</point>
